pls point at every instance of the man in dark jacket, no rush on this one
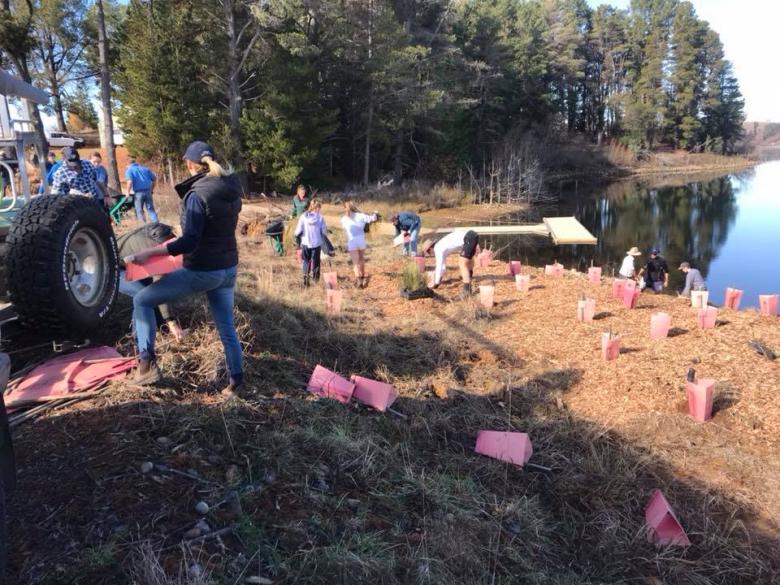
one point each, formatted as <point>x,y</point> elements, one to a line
<point>656,272</point>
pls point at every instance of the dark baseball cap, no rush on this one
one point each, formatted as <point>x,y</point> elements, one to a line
<point>71,156</point>
<point>197,150</point>
<point>655,251</point>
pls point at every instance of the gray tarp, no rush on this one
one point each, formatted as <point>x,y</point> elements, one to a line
<point>11,86</point>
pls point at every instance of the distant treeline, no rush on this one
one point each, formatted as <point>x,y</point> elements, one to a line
<point>349,91</point>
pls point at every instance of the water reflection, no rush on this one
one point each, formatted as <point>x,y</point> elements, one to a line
<point>688,218</point>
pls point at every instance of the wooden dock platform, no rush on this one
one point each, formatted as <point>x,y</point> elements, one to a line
<point>562,230</point>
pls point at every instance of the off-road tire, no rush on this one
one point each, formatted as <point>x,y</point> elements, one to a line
<point>40,267</point>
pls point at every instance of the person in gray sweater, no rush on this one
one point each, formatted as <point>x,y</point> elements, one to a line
<point>693,279</point>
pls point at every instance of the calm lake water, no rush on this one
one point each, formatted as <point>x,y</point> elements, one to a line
<point>728,226</point>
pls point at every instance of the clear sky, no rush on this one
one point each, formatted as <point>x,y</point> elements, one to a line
<point>749,32</point>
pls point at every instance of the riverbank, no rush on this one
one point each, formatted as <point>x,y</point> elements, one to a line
<point>331,493</point>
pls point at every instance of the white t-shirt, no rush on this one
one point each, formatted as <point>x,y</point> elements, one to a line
<point>627,268</point>
<point>353,225</point>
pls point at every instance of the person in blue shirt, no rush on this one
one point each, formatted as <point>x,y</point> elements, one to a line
<point>101,174</point>
<point>52,166</point>
<point>212,201</point>
<point>409,224</point>
<point>141,181</point>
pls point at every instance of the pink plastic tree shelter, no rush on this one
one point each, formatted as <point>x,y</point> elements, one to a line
<point>618,288</point>
<point>299,255</point>
<point>706,318</point>
<point>514,267</point>
<point>420,262</point>
<point>610,346</point>
<point>333,299</point>
<point>594,274</point>
<point>586,309</point>
<point>660,323</point>
<point>486,292</point>
<point>331,280</point>
<point>663,526</point>
<point>699,299</point>
<point>511,447</point>
<point>155,266</point>
<point>700,396</point>
<point>484,258</point>
<point>733,298</point>
<point>373,393</point>
<point>631,296</point>
<point>328,384</point>
<point>768,305</point>
<point>523,282</point>
<point>555,270</point>
<point>74,372</point>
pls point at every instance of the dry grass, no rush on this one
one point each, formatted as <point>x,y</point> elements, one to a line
<point>340,494</point>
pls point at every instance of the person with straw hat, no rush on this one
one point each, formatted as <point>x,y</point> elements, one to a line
<point>627,269</point>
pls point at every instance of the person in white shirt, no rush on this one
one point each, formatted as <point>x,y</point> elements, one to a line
<point>627,269</point>
<point>354,223</point>
<point>464,241</point>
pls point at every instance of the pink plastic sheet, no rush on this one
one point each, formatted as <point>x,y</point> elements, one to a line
<point>768,305</point>
<point>663,526</point>
<point>610,347</point>
<point>523,282</point>
<point>155,266</point>
<point>594,274</point>
<point>328,384</point>
<point>631,296</point>
<point>514,267</point>
<point>660,323</point>
<point>586,309</point>
<point>700,396</point>
<point>733,298</point>
<point>70,373</point>
<point>512,447</point>
<point>420,261</point>
<point>373,393</point>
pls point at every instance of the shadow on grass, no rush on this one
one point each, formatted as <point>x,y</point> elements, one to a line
<point>341,494</point>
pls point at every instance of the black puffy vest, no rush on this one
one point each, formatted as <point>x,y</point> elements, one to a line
<point>217,248</point>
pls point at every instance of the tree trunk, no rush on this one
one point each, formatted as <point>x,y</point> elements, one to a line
<point>105,94</point>
<point>398,170</point>
<point>54,84</point>
<point>367,146</point>
<point>370,121</point>
<point>235,100</point>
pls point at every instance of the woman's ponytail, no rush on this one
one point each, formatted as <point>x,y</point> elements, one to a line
<point>214,168</point>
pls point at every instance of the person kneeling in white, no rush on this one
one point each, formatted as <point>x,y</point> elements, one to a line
<point>465,242</point>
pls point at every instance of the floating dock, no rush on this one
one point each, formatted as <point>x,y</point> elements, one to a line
<point>562,230</point>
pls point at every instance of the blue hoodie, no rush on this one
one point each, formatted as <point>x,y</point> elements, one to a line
<point>311,226</point>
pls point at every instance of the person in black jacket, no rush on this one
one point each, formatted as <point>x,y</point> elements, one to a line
<point>211,204</point>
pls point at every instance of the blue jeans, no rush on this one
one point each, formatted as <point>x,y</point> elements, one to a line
<point>143,199</point>
<point>219,286</point>
<point>410,248</point>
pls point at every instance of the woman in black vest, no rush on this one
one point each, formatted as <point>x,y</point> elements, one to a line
<point>211,202</point>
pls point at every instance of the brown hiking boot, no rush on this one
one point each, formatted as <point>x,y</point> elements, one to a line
<point>147,373</point>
